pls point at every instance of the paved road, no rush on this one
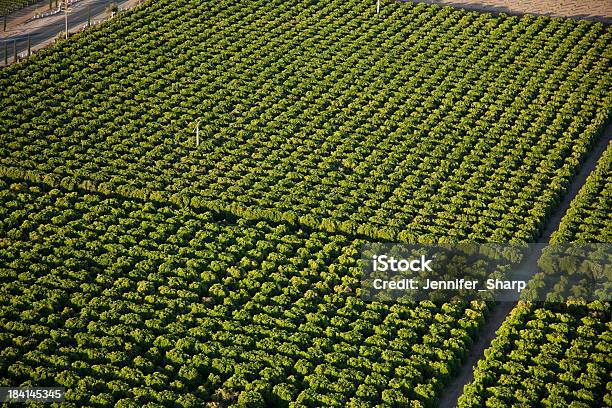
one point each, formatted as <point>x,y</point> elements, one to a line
<point>48,28</point>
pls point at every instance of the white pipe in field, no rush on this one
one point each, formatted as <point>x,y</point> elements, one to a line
<point>197,132</point>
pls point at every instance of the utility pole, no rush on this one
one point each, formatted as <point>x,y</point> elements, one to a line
<point>29,46</point>
<point>5,53</point>
<point>50,4</point>
<point>15,50</point>
<point>66,16</point>
<point>88,16</point>
<point>5,23</point>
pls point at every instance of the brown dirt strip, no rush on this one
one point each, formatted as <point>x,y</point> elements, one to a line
<point>596,10</point>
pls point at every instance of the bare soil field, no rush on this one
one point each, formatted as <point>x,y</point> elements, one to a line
<point>597,10</point>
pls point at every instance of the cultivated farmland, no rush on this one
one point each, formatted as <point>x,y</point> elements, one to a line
<point>8,6</point>
<point>161,304</point>
<point>142,267</point>
<point>421,123</point>
<point>559,353</point>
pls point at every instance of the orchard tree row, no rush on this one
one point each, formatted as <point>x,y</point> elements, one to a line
<point>8,6</point>
<point>589,219</point>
